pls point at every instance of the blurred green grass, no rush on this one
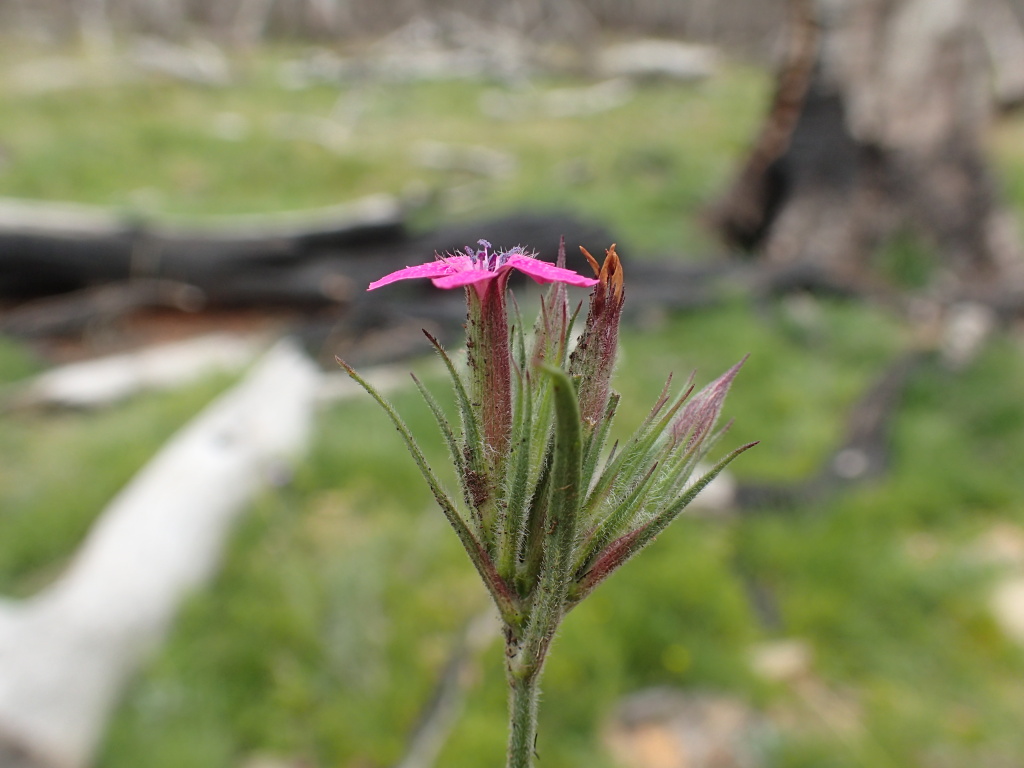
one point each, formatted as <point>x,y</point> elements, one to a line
<point>342,594</point>
<point>154,146</point>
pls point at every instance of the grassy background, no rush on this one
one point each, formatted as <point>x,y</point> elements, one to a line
<point>314,644</point>
<point>153,146</point>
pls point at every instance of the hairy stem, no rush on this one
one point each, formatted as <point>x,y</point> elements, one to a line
<point>524,690</point>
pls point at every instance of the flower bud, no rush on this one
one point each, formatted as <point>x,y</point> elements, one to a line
<point>699,415</point>
<point>594,357</point>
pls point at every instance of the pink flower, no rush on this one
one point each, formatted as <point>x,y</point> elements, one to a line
<point>487,341</point>
<point>477,268</point>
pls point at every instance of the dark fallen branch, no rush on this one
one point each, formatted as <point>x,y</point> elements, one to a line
<point>443,709</point>
<point>862,456</point>
<point>652,286</point>
<point>47,249</point>
<point>81,261</point>
<point>685,286</point>
<point>69,313</point>
<point>64,269</point>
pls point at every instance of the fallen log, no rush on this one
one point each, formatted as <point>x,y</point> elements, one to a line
<point>48,248</point>
<point>66,653</point>
<point>64,267</point>
<point>106,380</point>
<point>69,313</point>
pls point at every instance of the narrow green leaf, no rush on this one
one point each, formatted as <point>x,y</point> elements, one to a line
<point>626,547</point>
<point>572,321</point>
<point>478,482</point>
<point>635,456</point>
<point>621,517</point>
<point>532,549</point>
<point>672,511</point>
<point>500,591</point>
<point>560,527</point>
<point>457,454</point>
<point>518,334</point>
<point>470,424</point>
<point>598,438</point>
<point>677,474</point>
<point>510,537</point>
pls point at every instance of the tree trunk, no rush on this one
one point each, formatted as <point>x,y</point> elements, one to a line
<point>876,128</point>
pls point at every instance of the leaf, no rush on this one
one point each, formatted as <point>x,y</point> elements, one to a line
<point>457,454</point>
<point>476,476</point>
<point>512,530</point>
<point>548,604</point>
<point>598,438</point>
<point>626,547</point>
<point>622,516</point>
<point>503,597</point>
<point>636,456</point>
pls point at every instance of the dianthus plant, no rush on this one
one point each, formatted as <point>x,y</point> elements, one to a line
<point>546,513</point>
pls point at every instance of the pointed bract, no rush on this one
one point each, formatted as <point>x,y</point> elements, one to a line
<point>699,415</point>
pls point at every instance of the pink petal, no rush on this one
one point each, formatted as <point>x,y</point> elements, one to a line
<point>544,272</point>
<point>432,269</point>
<point>465,277</point>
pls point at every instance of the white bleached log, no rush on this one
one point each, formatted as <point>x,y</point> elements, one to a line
<point>66,652</point>
<point>338,385</point>
<point>105,380</point>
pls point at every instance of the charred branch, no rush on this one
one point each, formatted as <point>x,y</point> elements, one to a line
<point>877,128</point>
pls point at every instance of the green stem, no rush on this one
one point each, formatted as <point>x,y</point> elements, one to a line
<point>524,690</point>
